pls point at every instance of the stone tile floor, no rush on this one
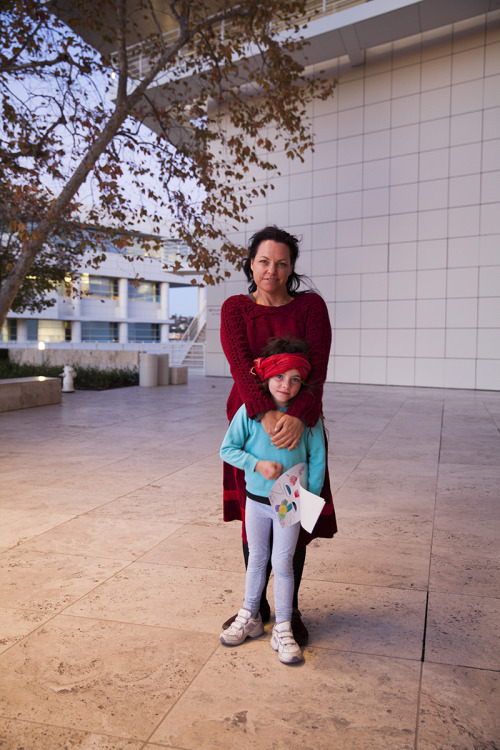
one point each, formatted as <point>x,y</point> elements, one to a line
<point>117,572</point>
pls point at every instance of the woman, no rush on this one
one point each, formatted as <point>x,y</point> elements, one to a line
<point>275,307</point>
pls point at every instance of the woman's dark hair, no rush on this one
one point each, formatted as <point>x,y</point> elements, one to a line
<point>278,235</point>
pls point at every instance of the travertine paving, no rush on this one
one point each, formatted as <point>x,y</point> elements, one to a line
<point>117,572</point>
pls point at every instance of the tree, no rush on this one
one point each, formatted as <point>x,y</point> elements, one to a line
<point>49,269</point>
<point>122,112</point>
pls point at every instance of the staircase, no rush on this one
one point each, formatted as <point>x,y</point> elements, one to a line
<point>195,357</point>
<point>192,345</point>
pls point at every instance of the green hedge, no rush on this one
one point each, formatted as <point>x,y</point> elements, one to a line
<point>86,378</point>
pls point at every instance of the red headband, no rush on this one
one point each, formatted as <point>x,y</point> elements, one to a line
<point>277,364</point>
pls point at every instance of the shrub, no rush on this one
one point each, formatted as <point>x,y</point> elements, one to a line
<point>95,379</point>
<point>86,378</point>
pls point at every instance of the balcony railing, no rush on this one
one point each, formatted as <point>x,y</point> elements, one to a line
<point>139,63</point>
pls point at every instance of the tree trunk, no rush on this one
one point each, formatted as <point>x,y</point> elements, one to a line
<point>44,229</point>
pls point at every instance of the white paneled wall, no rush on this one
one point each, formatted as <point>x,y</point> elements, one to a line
<point>399,211</point>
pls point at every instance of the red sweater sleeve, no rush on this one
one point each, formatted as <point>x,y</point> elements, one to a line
<point>307,405</point>
<point>238,353</point>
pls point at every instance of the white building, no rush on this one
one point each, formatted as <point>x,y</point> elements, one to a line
<point>398,206</point>
<point>122,302</point>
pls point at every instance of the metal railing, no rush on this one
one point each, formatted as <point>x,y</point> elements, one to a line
<point>196,326</point>
<point>178,350</point>
<point>190,336</point>
<point>139,63</point>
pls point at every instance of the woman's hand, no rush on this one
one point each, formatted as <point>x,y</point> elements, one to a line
<point>270,420</point>
<point>288,432</point>
<point>284,430</point>
<point>269,469</point>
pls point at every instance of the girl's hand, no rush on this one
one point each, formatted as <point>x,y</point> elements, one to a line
<point>287,432</point>
<point>269,469</point>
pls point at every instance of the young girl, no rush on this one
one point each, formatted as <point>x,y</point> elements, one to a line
<point>283,368</point>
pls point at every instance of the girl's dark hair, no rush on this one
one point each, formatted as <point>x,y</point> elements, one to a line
<point>278,235</point>
<point>285,345</point>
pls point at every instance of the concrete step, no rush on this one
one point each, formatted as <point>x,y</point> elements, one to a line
<point>195,357</point>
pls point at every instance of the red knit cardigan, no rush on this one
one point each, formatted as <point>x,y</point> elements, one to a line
<point>246,327</point>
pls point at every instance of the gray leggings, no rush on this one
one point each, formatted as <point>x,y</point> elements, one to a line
<point>259,520</point>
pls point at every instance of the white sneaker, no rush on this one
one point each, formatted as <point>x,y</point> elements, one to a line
<point>284,643</point>
<point>245,626</point>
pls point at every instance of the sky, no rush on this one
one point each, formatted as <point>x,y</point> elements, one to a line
<point>183,301</point>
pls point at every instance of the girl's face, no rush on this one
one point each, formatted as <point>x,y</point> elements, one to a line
<point>284,387</point>
<point>271,267</point>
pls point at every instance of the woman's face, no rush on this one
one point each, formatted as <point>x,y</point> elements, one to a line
<point>271,266</point>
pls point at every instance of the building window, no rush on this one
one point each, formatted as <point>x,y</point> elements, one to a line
<point>144,291</point>
<point>144,332</point>
<point>8,332</point>
<point>67,330</point>
<point>99,331</point>
<point>99,286</point>
<point>51,330</point>
<point>32,330</point>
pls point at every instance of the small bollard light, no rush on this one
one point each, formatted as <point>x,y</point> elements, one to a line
<point>41,349</point>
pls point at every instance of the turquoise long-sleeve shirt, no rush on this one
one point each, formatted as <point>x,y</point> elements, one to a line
<point>246,442</point>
